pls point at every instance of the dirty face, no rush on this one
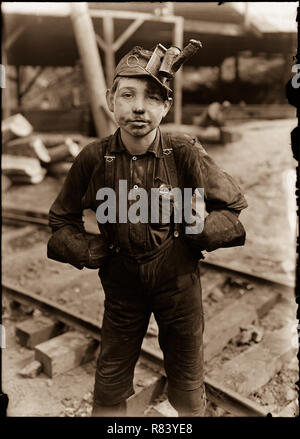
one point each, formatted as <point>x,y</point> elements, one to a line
<point>138,105</point>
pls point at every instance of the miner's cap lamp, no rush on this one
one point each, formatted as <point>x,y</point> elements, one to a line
<point>160,64</point>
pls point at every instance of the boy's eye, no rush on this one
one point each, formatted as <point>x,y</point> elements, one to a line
<point>154,97</point>
<point>127,94</point>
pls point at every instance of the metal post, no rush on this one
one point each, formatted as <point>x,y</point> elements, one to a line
<point>108,29</point>
<point>178,41</point>
<point>87,47</point>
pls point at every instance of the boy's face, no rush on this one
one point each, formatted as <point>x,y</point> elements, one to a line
<point>138,105</point>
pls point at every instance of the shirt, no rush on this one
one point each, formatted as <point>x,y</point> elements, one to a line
<point>195,169</point>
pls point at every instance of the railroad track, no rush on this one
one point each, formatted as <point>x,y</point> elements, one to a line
<point>241,300</point>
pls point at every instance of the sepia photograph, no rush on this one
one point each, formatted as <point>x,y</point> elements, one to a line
<point>149,212</point>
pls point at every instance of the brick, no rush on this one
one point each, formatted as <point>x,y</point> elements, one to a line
<point>255,367</point>
<point>34,331</point>
<point>65,352</point>
<point>224,326</point>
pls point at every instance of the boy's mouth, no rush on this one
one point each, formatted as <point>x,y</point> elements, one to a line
<point>138,121</point>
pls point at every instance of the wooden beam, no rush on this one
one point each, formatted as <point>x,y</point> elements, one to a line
<point>130,15</point>
<point>127,33</point>
<point>108,30</point>
<point>210,27</point>
<point>89,53</point>
<point>31,82</point>
<point>178,41</point>
<point>14,36</point>
<point>100,42</point>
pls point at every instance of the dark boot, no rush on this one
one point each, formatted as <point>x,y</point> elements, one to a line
<point>118,410</point>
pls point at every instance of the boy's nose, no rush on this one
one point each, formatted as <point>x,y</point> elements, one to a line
<point>139,106</point>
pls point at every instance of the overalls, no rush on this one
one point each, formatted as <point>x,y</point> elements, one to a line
<point>164,281</point>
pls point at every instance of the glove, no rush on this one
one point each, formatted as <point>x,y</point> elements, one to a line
<point>69,245</point>
<point>221,229</point>
<point>98,251</point>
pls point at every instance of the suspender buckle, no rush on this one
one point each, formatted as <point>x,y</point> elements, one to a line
<point>109,158</point>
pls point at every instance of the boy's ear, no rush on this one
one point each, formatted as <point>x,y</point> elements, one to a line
<point>167,105</point>
<point>109,100</point>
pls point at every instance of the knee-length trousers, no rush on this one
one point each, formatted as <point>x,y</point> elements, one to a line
<point>167,284</point>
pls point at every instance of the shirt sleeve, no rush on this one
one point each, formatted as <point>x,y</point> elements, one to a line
<point>68,206</point>
<point>220,189</point>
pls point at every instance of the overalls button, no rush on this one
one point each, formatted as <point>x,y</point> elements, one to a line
<point>117,249</point>
<point>135,186</point>
<point>176,234</point>
<point>134,157</point>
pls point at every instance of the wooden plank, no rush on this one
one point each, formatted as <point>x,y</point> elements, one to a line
<point>34,331</point>
<point>148,386</point>
<point>164,410</point>
<point>15,126</point>
<point>19,165</point>
<point>59,312</point>
<point>255,367</point>
<point>61,152</point>
<point>224,326</point>
<point>32,146</point>
<point>232,401</point>
<point>65,352</point>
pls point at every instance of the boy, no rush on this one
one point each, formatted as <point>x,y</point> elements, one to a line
<point>145,266</point>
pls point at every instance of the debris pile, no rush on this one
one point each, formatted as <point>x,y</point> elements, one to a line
<point>77,408</point>
<point>28,157</point>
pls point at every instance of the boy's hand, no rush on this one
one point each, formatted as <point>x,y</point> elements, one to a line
<point>98,252</point>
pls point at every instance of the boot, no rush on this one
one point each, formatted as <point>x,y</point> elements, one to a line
<point>117,410</point>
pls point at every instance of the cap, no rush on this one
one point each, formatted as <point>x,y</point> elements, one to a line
<point>160,64</point>
<point>135,63</point>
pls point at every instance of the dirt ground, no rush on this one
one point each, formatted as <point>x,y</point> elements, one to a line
<point>263,165</point>
<point>261,162</point>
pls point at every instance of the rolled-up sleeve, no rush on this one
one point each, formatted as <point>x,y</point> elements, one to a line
<point>220,189</point>
<point>68,206</point>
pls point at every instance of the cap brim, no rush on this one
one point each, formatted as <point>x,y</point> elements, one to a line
<point>137,72</point>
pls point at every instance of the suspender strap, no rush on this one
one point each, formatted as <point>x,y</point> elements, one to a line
<point>170,166</point>
<point>109,181</point>
<point>169,160</point>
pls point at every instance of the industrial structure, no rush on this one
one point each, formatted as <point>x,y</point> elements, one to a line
<point>59,34</point>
